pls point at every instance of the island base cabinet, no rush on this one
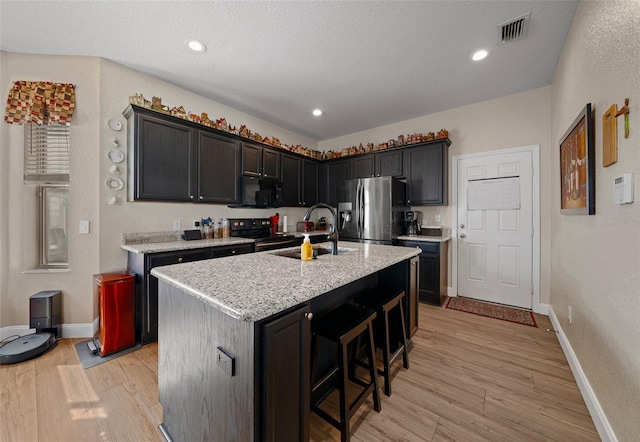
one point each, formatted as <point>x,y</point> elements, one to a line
<point>285,377</point>
<point>200,400</point>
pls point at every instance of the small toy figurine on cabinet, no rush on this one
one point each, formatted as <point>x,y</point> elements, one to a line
<point>243,131</point>
<point>430,136</point>
<point>195,118</point>
<point>400,140</point>
<point>204,120</point>
<point>275,141</point>
<point>370,147</point>
<point>156,103</point>
<point>222,124</point>
<point>137,99</point>
<point>442,134</point>
<point>179,112</point>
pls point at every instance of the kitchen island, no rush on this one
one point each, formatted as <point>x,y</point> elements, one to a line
<point>233,352</point>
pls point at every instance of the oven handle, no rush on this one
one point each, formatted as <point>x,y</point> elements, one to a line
<point>264,245</point>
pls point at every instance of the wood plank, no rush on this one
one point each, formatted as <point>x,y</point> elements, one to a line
<point>18,411</point>
<point>458,388</point>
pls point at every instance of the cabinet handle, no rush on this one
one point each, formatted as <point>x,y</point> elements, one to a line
<point>180,259</point>
<point>408,201</point>
<point>309,316</point>
<point>190,197</point>
<point>372,175</point>
<point>233,252</point>
<point>201,197</point>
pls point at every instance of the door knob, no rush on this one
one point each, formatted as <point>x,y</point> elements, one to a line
<point>309,316</point>
<point>462,226</point>
<point>462,235</point>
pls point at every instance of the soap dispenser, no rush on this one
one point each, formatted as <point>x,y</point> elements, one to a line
<point>306,249</point>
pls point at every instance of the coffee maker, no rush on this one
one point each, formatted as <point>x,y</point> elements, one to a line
<point>412,223</point>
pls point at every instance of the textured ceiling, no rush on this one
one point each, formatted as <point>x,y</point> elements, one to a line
<point>365,64</point>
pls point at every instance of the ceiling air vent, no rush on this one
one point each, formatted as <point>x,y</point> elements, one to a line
<point>513,29</point>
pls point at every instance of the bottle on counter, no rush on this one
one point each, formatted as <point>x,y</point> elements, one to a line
<point>226,232</point>
<point>306,249</point>
<point>217,229</point>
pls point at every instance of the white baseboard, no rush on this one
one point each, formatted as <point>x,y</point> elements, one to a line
<point>451,292</point>
<point>68,330</point>
<point>597,413</point>
<point>542,309</point>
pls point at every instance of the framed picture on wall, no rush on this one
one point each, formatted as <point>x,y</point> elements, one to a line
<point>577,166</point>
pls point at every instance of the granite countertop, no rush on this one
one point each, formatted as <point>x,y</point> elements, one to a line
<point>426,238</point>
<point>255,286</point>
<point>169,246</point>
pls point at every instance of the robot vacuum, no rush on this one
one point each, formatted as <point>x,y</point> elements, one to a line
<point>26,347</point>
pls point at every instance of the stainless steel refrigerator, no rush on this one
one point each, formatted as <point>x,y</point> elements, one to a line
<point>371,210</point>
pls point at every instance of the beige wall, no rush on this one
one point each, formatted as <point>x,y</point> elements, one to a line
<point>596,259</point>
<point>18,238</point>
<point>102,92</point>
<point>514,121</point>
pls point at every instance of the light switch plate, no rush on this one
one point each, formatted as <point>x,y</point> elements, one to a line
<point>83,227</point>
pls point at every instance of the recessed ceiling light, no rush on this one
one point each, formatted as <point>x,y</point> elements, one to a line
<point>317,112</point>
<point>480,55</point>
<point>196,46</point>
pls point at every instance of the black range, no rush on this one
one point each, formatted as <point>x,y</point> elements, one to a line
<point>259,229</point>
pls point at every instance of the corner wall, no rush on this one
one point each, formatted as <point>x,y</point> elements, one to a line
<point>595,260</point>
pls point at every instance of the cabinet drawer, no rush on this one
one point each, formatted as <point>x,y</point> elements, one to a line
<point>239,249</point>
<point>426,247</point>
<point>163,259</point>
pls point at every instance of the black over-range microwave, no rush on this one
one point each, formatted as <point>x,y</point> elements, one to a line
<point>259,192</point>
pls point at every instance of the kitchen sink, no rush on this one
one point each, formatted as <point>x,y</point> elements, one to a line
<point>316,252</point>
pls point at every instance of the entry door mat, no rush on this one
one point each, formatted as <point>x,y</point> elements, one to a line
<point>511,314</point>
<point>88,359</point>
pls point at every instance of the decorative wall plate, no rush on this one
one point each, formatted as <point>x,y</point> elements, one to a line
<point>114,124</point>
<point>115,183</point>
<point>116,155</point>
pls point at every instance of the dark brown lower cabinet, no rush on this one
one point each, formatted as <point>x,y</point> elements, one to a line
<point>285,376</point>
<point>414,281</point>
<point>432,270</point>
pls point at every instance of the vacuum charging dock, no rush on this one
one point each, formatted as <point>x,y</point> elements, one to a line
<point>45,315</point>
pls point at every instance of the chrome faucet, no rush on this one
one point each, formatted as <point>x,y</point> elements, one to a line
<point>333,233</point>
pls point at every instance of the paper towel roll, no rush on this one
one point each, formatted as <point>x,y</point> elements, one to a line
<point>284,223</point>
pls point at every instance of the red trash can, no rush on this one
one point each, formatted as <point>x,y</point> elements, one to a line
<point>116,292</point>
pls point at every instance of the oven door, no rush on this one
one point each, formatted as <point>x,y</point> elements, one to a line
<point>262,246</point>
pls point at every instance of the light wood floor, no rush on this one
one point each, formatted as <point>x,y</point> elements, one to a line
<point>470,379</point>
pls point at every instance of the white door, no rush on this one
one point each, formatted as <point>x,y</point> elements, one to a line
<point>495,246</point>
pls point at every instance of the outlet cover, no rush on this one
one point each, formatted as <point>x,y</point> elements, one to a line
<point>176,225</point>
<point>437,217</point>
<point>83,227</point>
<point>226,361</point>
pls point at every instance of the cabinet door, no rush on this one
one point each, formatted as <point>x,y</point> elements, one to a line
<point>285,380</point>
<point>291,186</point>
<point>164,160</point>
<point>430,278</point>
<point>271,164</point>
<point>147,314</point>
<point>389,163</point>
<point>218,169</point>
<point>251,160</point>
<point>425,169</point>
<point>337,172</point>
<point>414,275</point>
<point>363,166</point>
<point>309,180</point>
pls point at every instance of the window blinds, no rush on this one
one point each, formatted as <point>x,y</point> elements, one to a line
<point>46,153</point>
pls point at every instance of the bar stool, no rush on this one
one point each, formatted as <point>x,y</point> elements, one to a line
<point>384,299</point>
<point>342,326</point>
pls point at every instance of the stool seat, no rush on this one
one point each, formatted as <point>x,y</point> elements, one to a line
<point>342,326</point>
<point>379,297</point>
<point>339,322</point>
<point>383,300</point>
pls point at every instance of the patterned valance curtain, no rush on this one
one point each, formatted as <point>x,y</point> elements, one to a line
<point>40,102</point>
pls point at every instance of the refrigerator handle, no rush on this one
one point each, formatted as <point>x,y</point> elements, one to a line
<point>361,208</point>
<point>357,220</point>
